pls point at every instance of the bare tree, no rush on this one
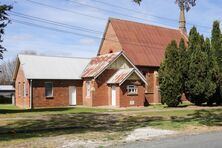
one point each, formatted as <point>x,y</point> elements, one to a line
<point>28,52</point>
<point>7,68</point>
<point>6,72</point>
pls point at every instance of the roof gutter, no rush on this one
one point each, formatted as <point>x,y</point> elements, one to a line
<point>30,94</point>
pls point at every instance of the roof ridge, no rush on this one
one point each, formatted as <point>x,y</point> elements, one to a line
<point>170,28</point>
<point>51,56</point>
<point>118,52</point>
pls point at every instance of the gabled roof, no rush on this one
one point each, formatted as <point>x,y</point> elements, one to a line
<point>46,67</point>
<point>121,75</point>
<point>99,64</point>
<point>144,44</point>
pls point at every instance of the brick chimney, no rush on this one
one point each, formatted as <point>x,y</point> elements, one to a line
<point>182,21</point>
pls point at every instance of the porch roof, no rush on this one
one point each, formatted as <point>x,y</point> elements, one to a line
<point>121,75</point>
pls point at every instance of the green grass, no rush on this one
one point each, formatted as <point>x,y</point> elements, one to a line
<point>12,111</point>
<point>63,121</point>
<point>8,107</point>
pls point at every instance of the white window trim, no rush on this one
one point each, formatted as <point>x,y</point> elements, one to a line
<point>52,90</point>
<point>88,87</point>
<point>132,89</point>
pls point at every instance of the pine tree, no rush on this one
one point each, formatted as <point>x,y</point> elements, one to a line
<point>216,43</point>
<point>183,62</point>
<point>170,76</point>
<point>199,84</point>
<point>216,49</point>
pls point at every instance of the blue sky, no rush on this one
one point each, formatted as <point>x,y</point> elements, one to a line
<point>21,37</point>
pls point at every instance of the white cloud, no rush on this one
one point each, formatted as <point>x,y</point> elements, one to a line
<point>19,38</point>
<point>87,41</point>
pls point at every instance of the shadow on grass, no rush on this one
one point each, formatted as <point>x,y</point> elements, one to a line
<point>201,117</point>
<point>13,111</point>
<point>54,125</point>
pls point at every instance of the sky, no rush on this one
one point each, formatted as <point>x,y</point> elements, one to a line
<point>76,26</point>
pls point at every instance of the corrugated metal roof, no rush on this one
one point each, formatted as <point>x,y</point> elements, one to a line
<point>120,76</point>
<point>144,44</point>
<point>99,63</point>
<point>46,67</point>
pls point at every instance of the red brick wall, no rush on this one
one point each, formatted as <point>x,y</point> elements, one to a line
<point>150,87</point>
<point>152,93</point>
<point>87,101</point>
<point>100,92</point>
<point>124,98</point>
<point>60,93</point>
<point>21,100</point>
<point>111,42</point>
<point>101,97</point>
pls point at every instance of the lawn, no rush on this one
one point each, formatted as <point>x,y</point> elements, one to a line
<point>18,125</point>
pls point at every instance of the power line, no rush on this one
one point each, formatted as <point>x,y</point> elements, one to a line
<point>73,12</point>
<point>65,10</point>
<point>34,18</point>
<point>135,11</point>
<point>52,22</point>
<point>83,35</point>
<point>139,12</point>
<point>115,12</point>
<point>165,18</point>
<point>124,8</point>
<point>67,26</point>
<point>90,16</point>
<point>57,23</point>
<point>52,29</point>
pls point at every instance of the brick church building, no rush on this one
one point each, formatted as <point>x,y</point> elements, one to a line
<point>123,74</point>
<point>144,45</point>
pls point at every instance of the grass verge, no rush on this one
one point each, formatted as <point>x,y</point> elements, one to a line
<point>108,124</point>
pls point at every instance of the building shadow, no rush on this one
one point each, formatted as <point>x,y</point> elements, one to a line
<point>75,123</point>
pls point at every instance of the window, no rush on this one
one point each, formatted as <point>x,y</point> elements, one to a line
<point>24,90</point>
<point>87,88</point>
<point>48,89</point>
<point>131,89</point>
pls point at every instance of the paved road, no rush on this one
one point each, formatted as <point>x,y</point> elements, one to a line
<point>207,140</point>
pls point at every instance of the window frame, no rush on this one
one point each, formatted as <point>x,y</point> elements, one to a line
<point>49,96</point>
<point>132,89</point>
<point>19,89</point>
<point>88,87</point>
<point>24,89</point>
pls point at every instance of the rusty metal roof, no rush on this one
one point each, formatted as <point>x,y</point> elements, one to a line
<point>144,44</point>
<point>123,74</point>
<point>99,64</point>
<point>120,76</point>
